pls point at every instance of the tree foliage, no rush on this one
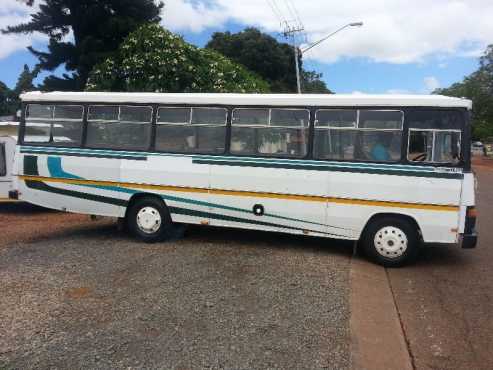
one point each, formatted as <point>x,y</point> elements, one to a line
<point>479,88</point>
<point>9,99</point>
<point>270,59</point>
<point>154,59</point>
<point>83,33</point>
<point>5,100</point>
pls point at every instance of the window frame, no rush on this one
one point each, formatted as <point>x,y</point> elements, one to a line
<point>88,121</point>
<point>25,119</point>
<point>226,126</point>
<point>357,128</point>
<point>434,130</point>
<point>308,128</point>
<point>119,113</point>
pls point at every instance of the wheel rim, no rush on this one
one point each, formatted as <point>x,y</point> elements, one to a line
<point>149,220</point>
<point>390,242</point>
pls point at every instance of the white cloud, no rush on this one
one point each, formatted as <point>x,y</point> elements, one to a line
<point>431,84</point>
<point>13,12</point>
<point>395,31</point>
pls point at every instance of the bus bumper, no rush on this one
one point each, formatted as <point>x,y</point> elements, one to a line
<point>468,241</point>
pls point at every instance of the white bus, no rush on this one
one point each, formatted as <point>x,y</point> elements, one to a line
<point>8,141</point>
<point>392,172</point>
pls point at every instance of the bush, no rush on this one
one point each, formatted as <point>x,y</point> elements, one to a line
<point>156,60</point>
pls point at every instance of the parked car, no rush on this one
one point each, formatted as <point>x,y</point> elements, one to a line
<point>477,148</point>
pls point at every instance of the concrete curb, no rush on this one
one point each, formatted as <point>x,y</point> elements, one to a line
<point>377,339</point>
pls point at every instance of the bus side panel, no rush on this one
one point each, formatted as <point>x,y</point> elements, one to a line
<point>183,185</point>
<point>6,182</point>
<point>407,195</point>
<point>289,200</point>
<point>64,183</point>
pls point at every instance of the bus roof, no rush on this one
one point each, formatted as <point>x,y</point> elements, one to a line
<point>336,100</point>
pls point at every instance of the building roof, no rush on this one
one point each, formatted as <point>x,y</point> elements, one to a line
<point>311,100</point>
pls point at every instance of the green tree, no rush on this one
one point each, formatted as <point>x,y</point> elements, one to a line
<point>478,87</point>
<point>83,33</point>
<point>5,100</point>
<point>154,59</point>
<point>270,59</point>
<point>25,82</point>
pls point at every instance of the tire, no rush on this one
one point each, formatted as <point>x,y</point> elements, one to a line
<point>149,220</point>
<point>391,242</point>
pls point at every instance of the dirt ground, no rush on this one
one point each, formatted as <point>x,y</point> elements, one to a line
<point>445,301</point>
<point>84,295</point>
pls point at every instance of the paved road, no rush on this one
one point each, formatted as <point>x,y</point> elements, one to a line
<point>445,301</point>
<point>89,297</point>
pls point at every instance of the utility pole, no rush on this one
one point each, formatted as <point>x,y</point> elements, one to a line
<point>290,32</point>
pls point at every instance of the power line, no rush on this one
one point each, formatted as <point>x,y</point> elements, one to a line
<point>275,9</point>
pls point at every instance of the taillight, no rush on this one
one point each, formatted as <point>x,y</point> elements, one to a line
<point>470,225</point>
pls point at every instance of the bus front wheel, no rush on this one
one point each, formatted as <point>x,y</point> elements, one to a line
<point>391,242</point>
<point>149,220</point>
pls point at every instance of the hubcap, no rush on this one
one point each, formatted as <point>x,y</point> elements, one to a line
<point>149,220</point>
<point>390,242</point>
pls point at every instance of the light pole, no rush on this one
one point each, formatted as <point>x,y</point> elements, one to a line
<point>298,52</point>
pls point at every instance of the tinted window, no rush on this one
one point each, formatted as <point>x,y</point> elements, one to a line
<point>191,130</point>
<point>336,118</point>
<point>380,119</point>
<point>119,127</point>
<point>251,117</point>
<point>436,119</point>
<point>275,132</point>
<point>3,160</point>
<point>54,124</point>
<point>365,135</point>
<point>174,115</point>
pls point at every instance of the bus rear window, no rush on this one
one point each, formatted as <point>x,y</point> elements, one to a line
<point>3,161</point>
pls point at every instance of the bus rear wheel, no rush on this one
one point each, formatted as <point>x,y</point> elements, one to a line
<point>148,219</point>
<point>391,242</point>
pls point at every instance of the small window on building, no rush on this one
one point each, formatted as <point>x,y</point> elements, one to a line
<point>364,135</point>
<point>54,124</point>
<point>270,132</point>
<point>119,127</point>
<point>3,161</point>
<point>191,130</point>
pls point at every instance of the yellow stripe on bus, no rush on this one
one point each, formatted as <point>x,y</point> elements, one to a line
<point>308,198</point>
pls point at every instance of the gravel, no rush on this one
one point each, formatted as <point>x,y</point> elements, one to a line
<point>91,297</point>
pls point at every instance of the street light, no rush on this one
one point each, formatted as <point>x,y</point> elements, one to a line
<point>309,47</point>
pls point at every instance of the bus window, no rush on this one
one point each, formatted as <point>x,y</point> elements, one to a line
<point>440,146</point>
<point>119,127</point>
<point>435,136</point>
<point>365,135</point>
<point>270,132</point>
<point>3,160</point>
<point>191,130</point>
<point>54,124</point>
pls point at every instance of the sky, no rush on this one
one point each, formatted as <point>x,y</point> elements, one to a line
<point>403,46</point>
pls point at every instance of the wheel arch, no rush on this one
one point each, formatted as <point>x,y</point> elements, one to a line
<point>137,196</point>
<point>401,216</point>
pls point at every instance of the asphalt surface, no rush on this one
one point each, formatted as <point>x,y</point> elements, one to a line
<point>445,301</point>
<point>90,297</point>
